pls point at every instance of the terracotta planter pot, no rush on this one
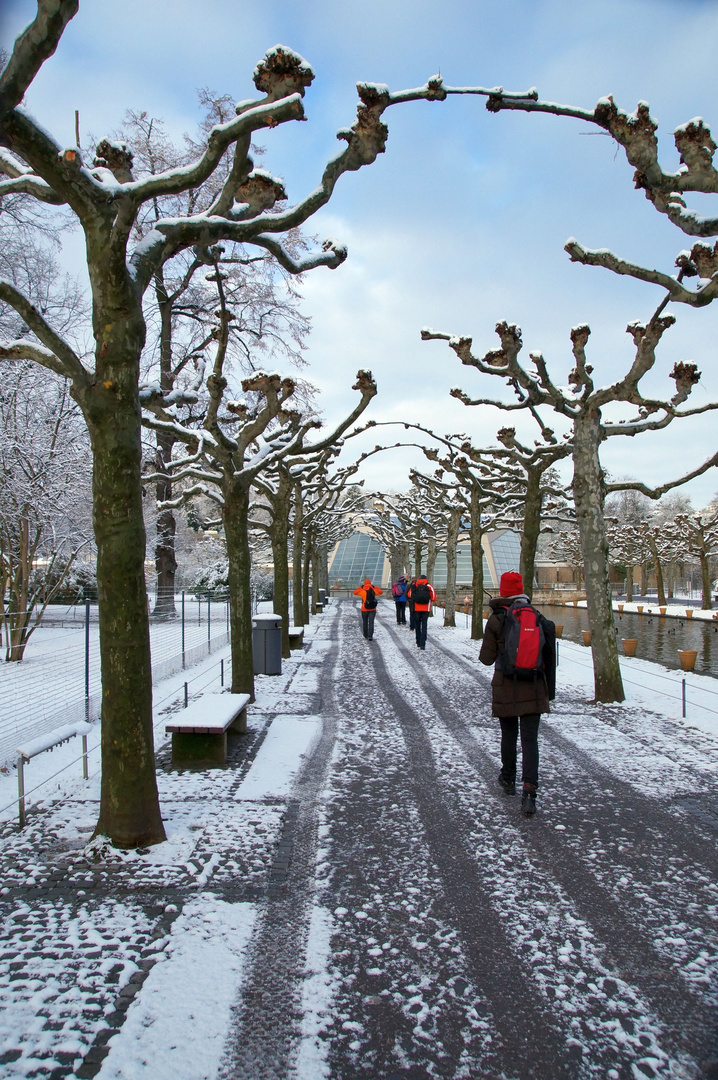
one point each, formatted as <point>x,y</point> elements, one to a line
<point>620,607</point>
<point>559,630</point>
<point>586,637</point>
<point>662,610</point>
<point>630,644</point>
<point>575,603</point>
<point>688,658</point>
<point>689,612</point>
<point>640,609</point>
<point>486,613</point>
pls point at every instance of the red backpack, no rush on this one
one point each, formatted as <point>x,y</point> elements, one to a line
<point>524,641</point>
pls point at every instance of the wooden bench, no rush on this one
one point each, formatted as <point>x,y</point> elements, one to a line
<point>199,732</point>
<point>296,637</point>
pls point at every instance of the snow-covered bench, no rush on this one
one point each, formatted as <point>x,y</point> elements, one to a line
<point>296,637</point>
<point>199,732</point>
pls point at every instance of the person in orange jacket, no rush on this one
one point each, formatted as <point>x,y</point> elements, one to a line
<point>368,593</point>
<point>422,594</point>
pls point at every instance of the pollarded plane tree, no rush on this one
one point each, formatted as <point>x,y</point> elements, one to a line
<point>179,304</point>
<point>583,406</point>
<point>330,514</point>
<point>238,441</point>
<point>696,535</point>
<point>665,190</point>
<point>532,469</point>
<point>106,200</point>
<point>388,530</point>
<point>452,502</point>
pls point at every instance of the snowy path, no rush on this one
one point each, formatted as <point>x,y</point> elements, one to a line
<point>354,896</point>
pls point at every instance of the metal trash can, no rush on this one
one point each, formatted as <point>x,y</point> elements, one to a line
<point>267,644</point>
<point>323,597</point>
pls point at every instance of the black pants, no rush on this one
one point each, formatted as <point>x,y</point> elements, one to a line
<point>401,613</point>
<point>529,746</point>
<point>421,623</point>
<point>412,617</point>
<point>367,623</point>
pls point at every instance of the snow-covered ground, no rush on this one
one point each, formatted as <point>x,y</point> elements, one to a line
<point>353,895</point>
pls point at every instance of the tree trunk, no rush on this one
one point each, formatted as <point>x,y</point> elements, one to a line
<point>297,546</point>
<point>629,584</point>
<point>235,516</point>
<point>531,530</point>
<point>588,493</point>
<point>129,804</point>
<point>314,562</point>
<point>430,564</point>
<point>165,560</point>
<point>279,535</point>
<point>706,604</point>
<point>417,558</point>
<point>324,568</point>
<point>452,539</point>
<point>477,568</point>
<point>306,571</point>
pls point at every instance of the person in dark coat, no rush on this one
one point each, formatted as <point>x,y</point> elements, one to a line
<point>410,602</point>
<point>518,702</point>
<point>399,593</point>
<point>421,608</point>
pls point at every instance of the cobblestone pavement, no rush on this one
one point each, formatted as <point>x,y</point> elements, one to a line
<point>411,922</point>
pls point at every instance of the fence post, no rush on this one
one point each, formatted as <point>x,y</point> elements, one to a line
<point>186,699</point>
<point>183,659</point>
<point>227,606</point>
<point>683,695</point>
<point>221,672</point>
<point>85,770</point>
<point>556,652</point>
<point>209,623</point>
<point>87,658</point>
<point>21,790</point>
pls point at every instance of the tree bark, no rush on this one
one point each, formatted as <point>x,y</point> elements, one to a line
<point>417,558</point>
<point>129,804</point>
<point>452,539</point>
<point>306,572</point>
<point>235,518</point>
<point>297,561</point>
<point>279,535</point>
<point>531,529</point>
<point>165,558</point>
<point>706,604</point>
<point>477,568</point>
<point>629,584</point>
<point>589,495</point>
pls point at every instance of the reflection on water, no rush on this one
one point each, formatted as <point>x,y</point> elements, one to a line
<point>658,639</point>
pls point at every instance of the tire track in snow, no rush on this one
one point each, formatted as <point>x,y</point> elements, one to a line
<point>529,1039</point>
<point>644,935</point>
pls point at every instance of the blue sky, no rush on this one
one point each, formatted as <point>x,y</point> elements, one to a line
<point>462,222</point>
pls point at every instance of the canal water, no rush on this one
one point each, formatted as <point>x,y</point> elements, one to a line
<point>658,639</point>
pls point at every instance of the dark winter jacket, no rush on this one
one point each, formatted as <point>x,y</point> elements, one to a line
<point>511,696</point>
<point>410,595</point>
<point>403,585</point>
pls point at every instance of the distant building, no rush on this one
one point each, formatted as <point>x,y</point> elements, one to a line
<point>360,556</point>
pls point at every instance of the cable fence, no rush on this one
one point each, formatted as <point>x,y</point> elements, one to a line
<point>58,680</point>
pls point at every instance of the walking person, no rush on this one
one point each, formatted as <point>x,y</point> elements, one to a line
<point>421,594</point>
<point>398,591</point>
<point>410,602</point>
<point>368,594</point>
<point>521,642</point>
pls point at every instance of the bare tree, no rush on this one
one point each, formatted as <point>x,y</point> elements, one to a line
<point>44,494</point>
<point>106,200</point>
<point>697,535</point>
<point>584,408</point>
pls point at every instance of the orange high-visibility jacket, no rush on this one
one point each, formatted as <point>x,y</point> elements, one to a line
<point>361,591</point>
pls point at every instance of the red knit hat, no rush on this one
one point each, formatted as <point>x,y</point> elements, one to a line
<point>511,584</point>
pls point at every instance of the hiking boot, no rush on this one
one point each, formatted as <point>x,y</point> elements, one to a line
<point>528,799</point>
<point>509,785</point>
